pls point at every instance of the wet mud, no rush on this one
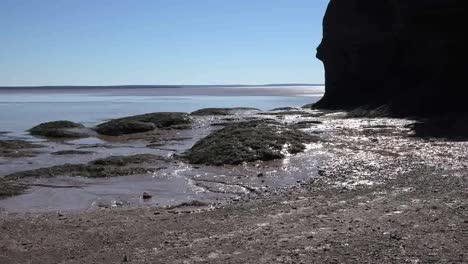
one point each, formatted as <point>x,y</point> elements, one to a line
<point>370,190</point>
<point>42,176</point>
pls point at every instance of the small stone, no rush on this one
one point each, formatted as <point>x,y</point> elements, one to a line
<point>260,175</point>
<point>146,196</point>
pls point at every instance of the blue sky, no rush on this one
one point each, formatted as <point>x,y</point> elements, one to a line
<point>106,42</point>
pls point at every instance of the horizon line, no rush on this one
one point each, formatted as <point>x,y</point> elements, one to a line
<point>159,85</point>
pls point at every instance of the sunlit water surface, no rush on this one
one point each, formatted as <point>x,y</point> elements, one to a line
<point>20,109</point>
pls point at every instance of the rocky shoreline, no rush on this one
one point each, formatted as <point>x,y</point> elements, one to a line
<point>348,183</point>
<point>379,193</point>
<point>245,135</point>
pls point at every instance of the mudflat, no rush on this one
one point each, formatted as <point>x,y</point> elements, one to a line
<point>382,194</point>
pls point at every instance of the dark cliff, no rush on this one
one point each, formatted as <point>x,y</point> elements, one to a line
<point>408,55</point>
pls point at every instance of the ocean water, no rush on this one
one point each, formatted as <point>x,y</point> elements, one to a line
<point>21,109</point>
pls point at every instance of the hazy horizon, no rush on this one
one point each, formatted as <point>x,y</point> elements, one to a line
<point>164,85</point>
<point>95,43</point>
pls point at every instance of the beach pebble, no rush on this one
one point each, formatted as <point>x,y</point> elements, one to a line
<point>146,196</point>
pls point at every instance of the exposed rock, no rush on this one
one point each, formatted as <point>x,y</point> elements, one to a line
<point>305,124</point>
<point>83,170</point>
<point>194,203</point>
<point>211,111</point>
<point>108,167</point>
<point>308,106</point>
<point>126,160</point>
<point>284,109</point>
<point>17,148</point>
<point>365,112</point>
<point>143,123</point>
<point>10,188</point>
<point>155,145</point>
<point>221,111</point>
<point>146,196</point>
<point>246,142</point>
<point>58,129</point>
<point>123,127</point>
<point>284,113</point>
<point>72,152</point>
<point>220,124</point>
<point>99,145</point>
<point>409,55</point>
<point>454,127</point>
<point>18,144</point>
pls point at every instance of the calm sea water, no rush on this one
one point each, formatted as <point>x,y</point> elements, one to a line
<point>20,109</point>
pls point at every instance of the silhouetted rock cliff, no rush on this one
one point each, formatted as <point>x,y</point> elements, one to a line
<point>409,55</point>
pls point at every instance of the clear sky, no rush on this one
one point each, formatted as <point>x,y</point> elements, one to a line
<point>106,42</point>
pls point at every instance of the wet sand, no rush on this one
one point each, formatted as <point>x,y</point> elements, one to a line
<point>369,192</point>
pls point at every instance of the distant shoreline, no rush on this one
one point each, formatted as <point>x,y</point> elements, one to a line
<point>59,87</point>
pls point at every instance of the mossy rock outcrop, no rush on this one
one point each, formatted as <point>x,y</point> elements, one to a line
<point>143,123</point>
<point>247,142</point>
<point>58,129</point>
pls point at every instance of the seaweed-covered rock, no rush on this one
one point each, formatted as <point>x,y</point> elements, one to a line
<point>123,127</point>
<point>246,142</point>
<point>288,108</point>
<point>17,148</point>
<point>126,160</point>
<point>72,152</point>
<point>308,106</point>
<point>108,167</point>
<point>10,188</point>
<point>305,124</point>
<point>143,123</point>
<point>18,144</point>
<point>58,129</point>
<point>221,111</point>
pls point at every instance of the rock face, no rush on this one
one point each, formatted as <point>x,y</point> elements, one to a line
<point>246,142</point>
<point>409,55</point>
<point>143,123</point>
<point>454,127</point>
<point>58,129</point>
